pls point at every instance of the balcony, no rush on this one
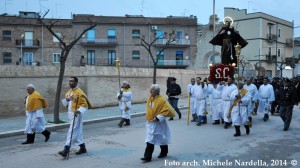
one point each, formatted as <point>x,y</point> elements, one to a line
<point>176,43</point>
<point>289,42</point>
<point>296,42</point>
<point>27,43</point>
<point>173,63</point>
<point>99,42</point>
<point>271,37</point>
<point>271,58</point>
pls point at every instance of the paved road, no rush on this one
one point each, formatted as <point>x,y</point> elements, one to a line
<point>205,146</point>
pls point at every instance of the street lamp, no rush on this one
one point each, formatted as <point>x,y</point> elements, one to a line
<point>288,67</point>
<point>118,65</point>
<point>21,54</point>
<point>238,48</point>
<point>293,42</point>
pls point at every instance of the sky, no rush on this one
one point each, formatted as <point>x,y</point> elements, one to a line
<point>63,9</point>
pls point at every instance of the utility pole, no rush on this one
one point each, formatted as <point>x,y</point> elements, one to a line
<point>214,29</point>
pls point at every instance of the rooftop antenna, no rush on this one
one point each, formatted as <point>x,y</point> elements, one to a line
<point>6,2</point>
<point>142,8</point>
<point>56,9</point>
<point>40,4</point>
<point>185,11</point>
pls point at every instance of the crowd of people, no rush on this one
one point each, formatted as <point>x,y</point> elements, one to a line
<point>234,103</point>
<point>231,103</point>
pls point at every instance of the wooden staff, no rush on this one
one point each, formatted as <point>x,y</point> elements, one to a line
<point>72,128</point>
<point>189,110</point>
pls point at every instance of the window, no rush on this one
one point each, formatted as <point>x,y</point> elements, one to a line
<point>136,34</point>
<point>56,57</point>
<point>91,57</point>
<point>135,54</point>
<point>111,33</point>
<point>270,29</point>
<point>6,35</point>
<point>160,56</point>
<point>28,58</point>
<point>179,57</point>
<point>7,58</point>
<point>178,34</point>
<point>279,32</point>
<point>269,51</point>
<point>278,52</point>
<point>111,57</point>
<point>160,34</point>
<point>55,39</point>
<point>28,38</point>
<point>91,35</point>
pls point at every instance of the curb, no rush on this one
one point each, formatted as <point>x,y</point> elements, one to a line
<point>53,127</point>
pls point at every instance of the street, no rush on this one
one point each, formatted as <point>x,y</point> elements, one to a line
<point>208,145</point>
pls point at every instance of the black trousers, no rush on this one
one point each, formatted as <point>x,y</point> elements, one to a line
<point>286,113</point>
<point>150,148</point>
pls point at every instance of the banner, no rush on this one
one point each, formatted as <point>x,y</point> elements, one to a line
<point>221,72</point>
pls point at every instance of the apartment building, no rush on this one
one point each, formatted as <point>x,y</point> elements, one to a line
<point>26,42</point>
<point>270,40</point>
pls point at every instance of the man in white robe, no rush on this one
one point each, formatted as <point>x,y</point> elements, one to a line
<point>125,97</point>
<point>78,104</point>
<point>192,100</point>
<point>252,89</point>
<point>227,89</point>
<point>216,103</point>
<point>200,93</point>
<point>157,129</point>
<point>35,118</point>
<point>240,99</point>
<point>265,98</point>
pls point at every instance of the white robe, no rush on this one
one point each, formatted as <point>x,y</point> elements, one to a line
<point>252,89</point>
<point>77,137</point>
<point>239,114</point>
<point>35,120</point>
<point>265,97</point>
<point>217,112</point>
<point>226,93</point>
<point>210,99</point>
<point>158,132</point>
<point>192,99</point>
<point>200,96</point>
<point>125,102</point>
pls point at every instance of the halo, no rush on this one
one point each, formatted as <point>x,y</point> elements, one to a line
<point>227,17</point>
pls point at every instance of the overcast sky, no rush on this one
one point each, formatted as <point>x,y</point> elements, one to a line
<point>284,9</point>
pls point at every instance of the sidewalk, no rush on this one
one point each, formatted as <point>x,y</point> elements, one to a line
<point>15,126</point>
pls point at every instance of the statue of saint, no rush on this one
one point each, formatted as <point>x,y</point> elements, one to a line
<point>228,38</point>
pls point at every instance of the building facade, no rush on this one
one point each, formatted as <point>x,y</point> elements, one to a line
<point>269,39</point>
<point>26,42</point>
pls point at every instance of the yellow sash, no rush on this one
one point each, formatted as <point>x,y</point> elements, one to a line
<point>158,106</point>
<point>242,92</point>
<point>35,101</point>
<point>79,98</point>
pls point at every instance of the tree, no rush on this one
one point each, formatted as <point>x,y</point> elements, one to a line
<point>160,43</point>
<point>65,50</point>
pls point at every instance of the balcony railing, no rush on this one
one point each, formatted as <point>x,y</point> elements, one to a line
<point>27,43</point>
<point>270,57</point>
<point>271,37</point>
<point>98,42</point>
<point>296,42</point>
<point>173,63</point>
<point>289,42</point>
<point>177,42</point>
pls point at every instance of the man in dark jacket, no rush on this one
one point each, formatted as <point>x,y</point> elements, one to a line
<point>288,99</point>
<point>173,92</point>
